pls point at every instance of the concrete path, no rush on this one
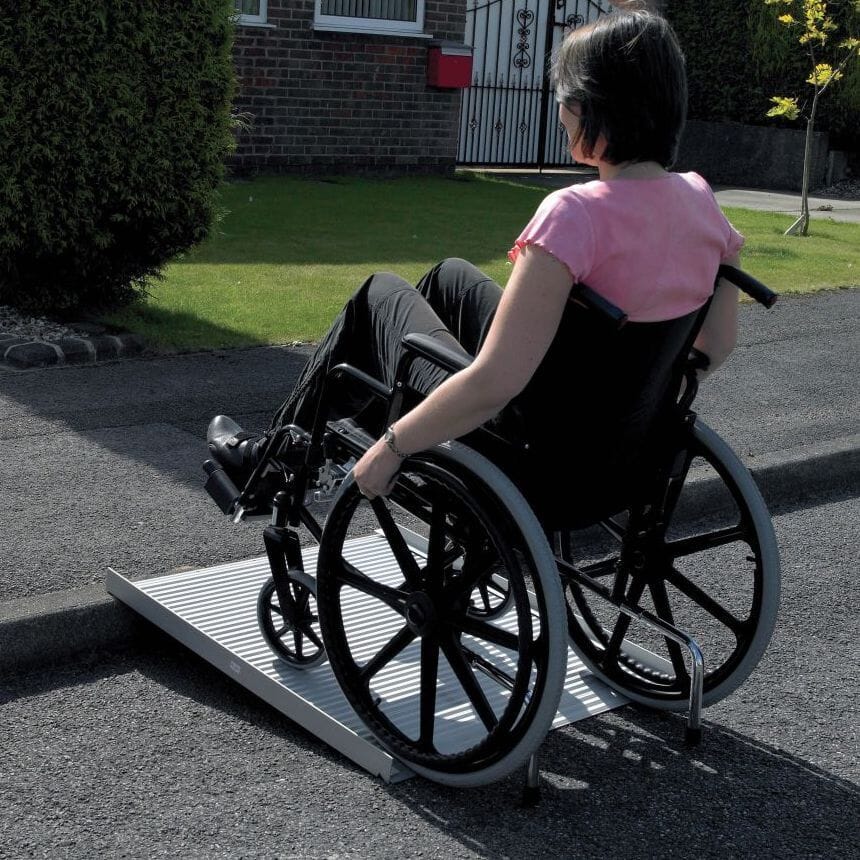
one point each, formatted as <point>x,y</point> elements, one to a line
<point>789,204</point>
<point>785,202</point>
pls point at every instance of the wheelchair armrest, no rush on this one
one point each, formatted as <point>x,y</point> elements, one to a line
<point>746,282</point>
<point>428,347</point>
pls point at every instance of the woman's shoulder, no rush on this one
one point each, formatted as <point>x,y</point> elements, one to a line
<point>568,202</point>
<point>694,180</point>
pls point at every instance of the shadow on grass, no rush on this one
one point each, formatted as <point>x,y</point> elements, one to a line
<point>176,330</point>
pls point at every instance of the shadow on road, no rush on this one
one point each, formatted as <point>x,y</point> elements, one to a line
<point>623,785</point>
<point>618,785</point>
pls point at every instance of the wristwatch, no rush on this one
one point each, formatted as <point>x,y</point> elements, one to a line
<point>392,443</point>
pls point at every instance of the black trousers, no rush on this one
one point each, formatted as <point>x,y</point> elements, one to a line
<point>554,451</point>
<point>454,303</point>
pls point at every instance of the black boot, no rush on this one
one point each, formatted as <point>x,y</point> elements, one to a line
<point>237,450</point>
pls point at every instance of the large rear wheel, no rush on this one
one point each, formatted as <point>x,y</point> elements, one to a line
<point>443,617</point>
<point>715,574</point>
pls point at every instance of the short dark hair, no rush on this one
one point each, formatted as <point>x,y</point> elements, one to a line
<point>627,71</point>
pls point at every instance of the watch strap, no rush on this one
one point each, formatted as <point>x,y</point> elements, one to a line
<point>391,441</point>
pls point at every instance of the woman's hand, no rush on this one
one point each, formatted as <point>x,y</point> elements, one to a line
<point>376,471</point>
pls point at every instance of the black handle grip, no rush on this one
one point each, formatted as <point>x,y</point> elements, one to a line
<point>746,282</point>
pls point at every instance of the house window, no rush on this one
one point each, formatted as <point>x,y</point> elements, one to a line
<point>251,11</point>
<point>375,16</point>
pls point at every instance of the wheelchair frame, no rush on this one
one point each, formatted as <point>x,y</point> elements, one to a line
<point>314,461</point>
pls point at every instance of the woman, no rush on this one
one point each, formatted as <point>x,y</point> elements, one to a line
<point>647,239</point>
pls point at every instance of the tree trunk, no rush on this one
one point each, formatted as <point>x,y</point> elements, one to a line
<point>801,226</point>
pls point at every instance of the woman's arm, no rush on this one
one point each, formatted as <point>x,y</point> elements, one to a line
<point>526,321</point>
<point>718,334</point>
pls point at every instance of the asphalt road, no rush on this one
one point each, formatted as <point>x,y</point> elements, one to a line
<point>101,465</point>
<point>154,754</point>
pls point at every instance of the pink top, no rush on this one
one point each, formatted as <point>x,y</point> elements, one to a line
<point>649,246</point>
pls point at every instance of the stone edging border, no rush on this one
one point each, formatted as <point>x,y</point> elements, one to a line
<point>23,354</point>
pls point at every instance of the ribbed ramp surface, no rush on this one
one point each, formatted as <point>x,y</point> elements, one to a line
<point>213,611</point>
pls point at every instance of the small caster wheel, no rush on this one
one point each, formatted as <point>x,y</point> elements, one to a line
<point>292,630</point>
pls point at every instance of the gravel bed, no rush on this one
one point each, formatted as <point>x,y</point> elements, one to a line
<point>847,189</point>
<point>13,322</point>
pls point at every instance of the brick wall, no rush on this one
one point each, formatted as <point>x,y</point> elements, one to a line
<point>340,101</point>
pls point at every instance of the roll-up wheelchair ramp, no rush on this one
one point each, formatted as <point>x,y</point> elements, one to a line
<point>213,611</point>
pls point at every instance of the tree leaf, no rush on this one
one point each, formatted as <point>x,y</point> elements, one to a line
<point>784,106</point>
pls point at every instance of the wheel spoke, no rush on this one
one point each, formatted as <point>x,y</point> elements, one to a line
<point>614,528</point>
<point>701,542</point>
<point>354,578</point>
<point>622,624</point>
<point>407,561</point>
<point>664,611</point>
<point>309,632</point>
<point>297,638</point>
<point>280,632</point>
<point>487,632</point>
<point>469,683</point>
<point>697,595</point>
<point>436,539</point>
<point>429,680</point>
<point>387,653</point>
<point>606,567</point>
<point>474,570</point>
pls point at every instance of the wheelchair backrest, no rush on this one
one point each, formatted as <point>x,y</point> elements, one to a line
<point>592,411</point>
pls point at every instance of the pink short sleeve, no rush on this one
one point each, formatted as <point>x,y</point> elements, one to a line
<point>734,243</point>
<point>734,239</point>
<point>561,227</point>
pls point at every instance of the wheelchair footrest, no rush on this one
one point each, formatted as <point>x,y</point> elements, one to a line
<point>220,487</point>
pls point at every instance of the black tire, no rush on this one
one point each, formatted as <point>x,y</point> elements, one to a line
<point>411,652</point>
<point>295,635</point>
<point>719,584</point>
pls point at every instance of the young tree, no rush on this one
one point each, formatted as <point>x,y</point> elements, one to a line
<point>828,58</point>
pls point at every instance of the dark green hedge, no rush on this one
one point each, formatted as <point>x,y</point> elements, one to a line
<point>738,56</point>
<point>114,126</point>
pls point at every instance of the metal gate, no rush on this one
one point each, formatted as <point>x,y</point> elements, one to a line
<point>508,116</point>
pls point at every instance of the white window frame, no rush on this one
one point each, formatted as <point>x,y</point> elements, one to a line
<point>255,20</point>
<point>340,23</point>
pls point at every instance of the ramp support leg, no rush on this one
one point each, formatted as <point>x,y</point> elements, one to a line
<point>531,792</point>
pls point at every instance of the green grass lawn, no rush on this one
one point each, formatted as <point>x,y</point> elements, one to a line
<point>288,252</point>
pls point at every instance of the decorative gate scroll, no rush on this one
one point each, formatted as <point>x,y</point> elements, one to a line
<point>508,115</point>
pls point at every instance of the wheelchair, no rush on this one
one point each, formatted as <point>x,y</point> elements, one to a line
<point>451,602</point>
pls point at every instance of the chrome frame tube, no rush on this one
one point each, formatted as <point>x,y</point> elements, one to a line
<point>697,660</point>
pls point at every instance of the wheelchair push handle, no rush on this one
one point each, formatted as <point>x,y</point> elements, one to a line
<point>746,282</point>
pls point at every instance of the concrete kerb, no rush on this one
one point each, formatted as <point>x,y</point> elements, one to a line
<point>54,628</point>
